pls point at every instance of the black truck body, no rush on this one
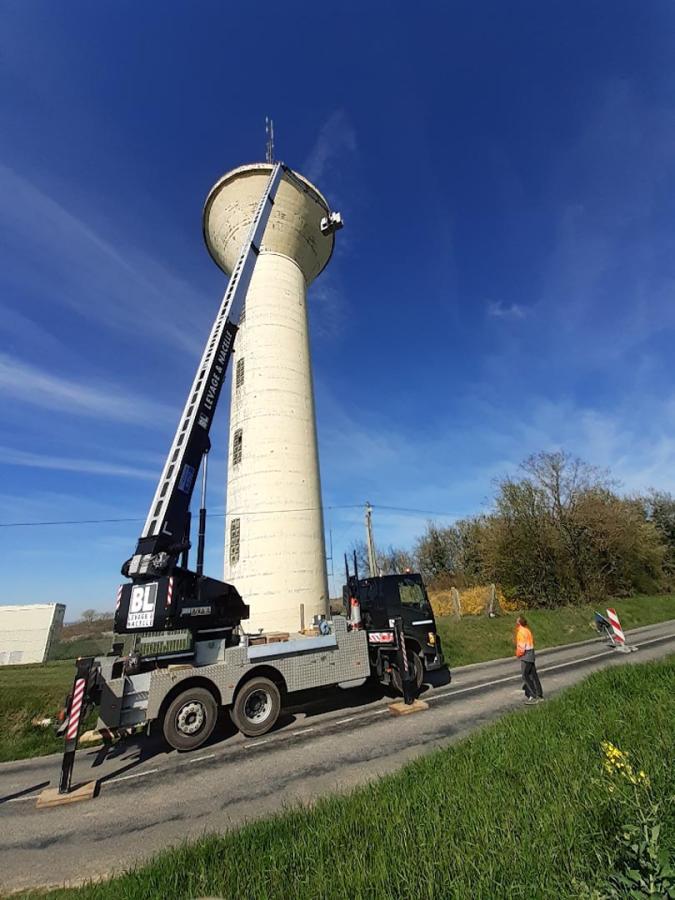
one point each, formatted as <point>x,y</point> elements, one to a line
<point>384,598</point>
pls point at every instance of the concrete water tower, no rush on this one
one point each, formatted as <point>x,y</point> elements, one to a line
<point>274,540</point>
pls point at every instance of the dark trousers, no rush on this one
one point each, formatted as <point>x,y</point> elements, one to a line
<point>531,679</point>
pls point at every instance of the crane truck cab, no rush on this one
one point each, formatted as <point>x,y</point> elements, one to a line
<point>385,598</point>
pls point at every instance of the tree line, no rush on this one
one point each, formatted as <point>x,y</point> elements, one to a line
<point>558,532</point>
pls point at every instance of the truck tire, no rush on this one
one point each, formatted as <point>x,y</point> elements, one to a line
<point>256,707</point>
<point>190,719</point>
<point>417,669</point>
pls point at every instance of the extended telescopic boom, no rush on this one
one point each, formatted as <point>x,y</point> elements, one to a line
<point>164,534</point>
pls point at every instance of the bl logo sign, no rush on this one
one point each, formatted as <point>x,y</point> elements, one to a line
<point>142,605</point>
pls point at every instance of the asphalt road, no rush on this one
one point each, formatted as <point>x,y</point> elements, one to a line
<point>151,798</point>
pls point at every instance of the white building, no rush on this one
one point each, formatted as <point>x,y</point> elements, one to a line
<point>27,632</point>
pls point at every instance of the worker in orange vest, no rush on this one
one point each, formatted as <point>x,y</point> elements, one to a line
<point>525,653</point>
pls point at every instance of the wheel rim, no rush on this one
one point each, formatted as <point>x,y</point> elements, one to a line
<point>191,717</point>
<point>257,706</point>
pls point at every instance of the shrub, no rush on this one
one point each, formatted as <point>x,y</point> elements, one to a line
<point>473,601</point>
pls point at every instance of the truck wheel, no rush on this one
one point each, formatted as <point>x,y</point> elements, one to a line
<point>190,719</point>
<point>256,707</point>
<point>416,668</point>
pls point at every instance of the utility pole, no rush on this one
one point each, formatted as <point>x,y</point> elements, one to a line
<point>372,557</point>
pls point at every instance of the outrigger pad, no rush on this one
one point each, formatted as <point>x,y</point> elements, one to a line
<point>404,709</point>
<point>51,796</point>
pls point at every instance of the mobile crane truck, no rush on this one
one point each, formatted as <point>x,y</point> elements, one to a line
<point>189,656</point>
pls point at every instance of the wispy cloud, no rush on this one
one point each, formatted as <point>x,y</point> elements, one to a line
<point>451,466</point>
<point>79,268</point>
<point>13,457</point>
<point>336,138</point>
<point>499,310</point>
<point>107,401</point>
<point>43,504</point>
<point>610,277</point>
<point>327,308</point>
<point>18,329</point>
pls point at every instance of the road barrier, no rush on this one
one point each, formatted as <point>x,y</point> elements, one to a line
<point>614,621</point>
<point>615,635</point>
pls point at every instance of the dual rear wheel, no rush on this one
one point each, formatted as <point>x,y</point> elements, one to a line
<point>192,715</point>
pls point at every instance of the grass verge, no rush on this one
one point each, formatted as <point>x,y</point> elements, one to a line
<point>476,638</point>
<point>81,646</point>
<point>27,692</point>
<point>520,810</point>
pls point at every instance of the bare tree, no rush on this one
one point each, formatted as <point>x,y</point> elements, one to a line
<point>561,534</point>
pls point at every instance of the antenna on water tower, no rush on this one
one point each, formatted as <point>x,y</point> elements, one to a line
<point>269,145</point>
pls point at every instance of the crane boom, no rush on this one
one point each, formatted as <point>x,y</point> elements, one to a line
<point>164,534</point>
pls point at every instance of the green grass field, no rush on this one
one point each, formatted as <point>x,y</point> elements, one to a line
<point>27,692</point>
<point>476,638</point>
<point>30,691</point>
<point>84,646</point>
<point>520,810</point>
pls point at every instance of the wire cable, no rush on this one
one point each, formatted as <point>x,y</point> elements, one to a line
<point>222,515</point>
<point>404,509</point>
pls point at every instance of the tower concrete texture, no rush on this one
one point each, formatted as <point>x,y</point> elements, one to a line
<point>274,540</point>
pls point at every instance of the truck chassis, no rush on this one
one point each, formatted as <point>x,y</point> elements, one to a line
<point>252,680</point>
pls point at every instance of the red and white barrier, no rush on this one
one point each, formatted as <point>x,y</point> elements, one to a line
<point>617,637</point>
<point>75,709</point>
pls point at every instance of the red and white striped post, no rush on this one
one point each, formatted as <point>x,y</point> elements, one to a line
<point>408,686</point>
<point>76,706</point>
<point>617,630</point>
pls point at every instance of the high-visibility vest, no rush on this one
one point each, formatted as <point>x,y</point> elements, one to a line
<point>524,640</point>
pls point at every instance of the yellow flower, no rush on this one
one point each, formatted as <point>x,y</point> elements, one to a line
<point>617,762</point>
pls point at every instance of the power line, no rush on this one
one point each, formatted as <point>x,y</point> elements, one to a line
<point>405,509</point>
<point>222,515</point>
<point>68,522</point>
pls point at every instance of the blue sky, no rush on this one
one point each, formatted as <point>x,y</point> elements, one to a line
<point>505,282</point>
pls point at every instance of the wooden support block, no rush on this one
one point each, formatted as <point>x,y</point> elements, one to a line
<point>51,796</point>
<point>399,708</point>
<point>277,637</point>
<point>253,641</point>
<point>90,737</point>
